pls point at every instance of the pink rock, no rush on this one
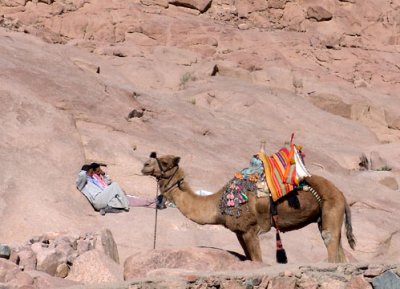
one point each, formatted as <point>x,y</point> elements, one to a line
<point>55,113</point>
<point>8,270</point>
<point>49,259</point>
<point>95,267</point>
<point>374,271</point>
<point>282,283</point>
<point>27,259</point>
<point>318,13</point>
<point>83,246</point>
<point>46,281</point>
<point>104,242</point>
<point>358,282</point>
<point>232,284</point>
<point>21,279</point>
<point>198,259</point>
<point>331,283</point>
<point>201,5</point>
<point>277,4</point>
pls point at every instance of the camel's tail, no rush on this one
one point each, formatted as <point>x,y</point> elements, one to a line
<point>349,229</point>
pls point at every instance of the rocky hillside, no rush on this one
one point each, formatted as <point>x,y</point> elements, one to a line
<point>111,81</point>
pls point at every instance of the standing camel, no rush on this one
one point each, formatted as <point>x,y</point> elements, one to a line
<point>328,213</point>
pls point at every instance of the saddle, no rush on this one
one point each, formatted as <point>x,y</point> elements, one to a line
<point>275,176</point>
<point>284,170</point>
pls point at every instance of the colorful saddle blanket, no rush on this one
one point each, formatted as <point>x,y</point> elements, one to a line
<point>283,170</point>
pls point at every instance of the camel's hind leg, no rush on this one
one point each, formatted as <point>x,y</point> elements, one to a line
<point>332,215</point>
<point>330,227</point>
<point>251,244</point>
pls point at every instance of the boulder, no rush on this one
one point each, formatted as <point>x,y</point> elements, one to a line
<point>104,242</point>
<point>8,270</point>
<point>42,280</point>
<point>5,251</point>
<point>277,4</point>
<point>94,267</point>
<point>21,280</point>
<point>358,282</point>
<point>48,260</point>
<point>283,283</point>
<point>377,162</point>
<point>27,259</point>
<point>201,5</point>
<point>318,13</point>
<point>142,263</point>
<point>388,280</point>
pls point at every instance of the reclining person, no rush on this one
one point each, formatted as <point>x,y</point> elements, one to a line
<point>133,201</point>
<point>104,195</point>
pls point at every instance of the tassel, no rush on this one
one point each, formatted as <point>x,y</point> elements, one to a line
<point>281,257</point>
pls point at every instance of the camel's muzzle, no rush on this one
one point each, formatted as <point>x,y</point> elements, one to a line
<point>160,202</point>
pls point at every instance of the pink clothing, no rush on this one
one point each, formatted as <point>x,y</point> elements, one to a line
<point>101,180</point>
<point>140,202</point>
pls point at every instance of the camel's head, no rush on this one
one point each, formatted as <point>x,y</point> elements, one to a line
<point>164,168</point>
<point>160,167</point>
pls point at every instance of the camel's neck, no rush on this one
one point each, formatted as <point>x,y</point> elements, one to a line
<point>199,209</point>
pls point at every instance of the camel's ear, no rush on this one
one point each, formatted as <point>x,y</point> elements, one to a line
<point>176,160</point>
<point>153,155</point>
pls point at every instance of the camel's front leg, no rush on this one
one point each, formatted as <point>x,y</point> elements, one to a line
<point>252,243</point>
<point>239,235</point>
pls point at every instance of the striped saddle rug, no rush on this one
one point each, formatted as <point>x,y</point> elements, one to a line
<point>283,170</point>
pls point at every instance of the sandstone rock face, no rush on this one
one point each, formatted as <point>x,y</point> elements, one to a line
<point>211,81</point>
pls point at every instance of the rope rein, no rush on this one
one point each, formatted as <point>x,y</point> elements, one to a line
<point>178,183</point>
<point>155,221</point>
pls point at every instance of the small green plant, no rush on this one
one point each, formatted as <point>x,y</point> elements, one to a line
<point>385,168</point>
<point>192,101</point>
<point>186,77</point>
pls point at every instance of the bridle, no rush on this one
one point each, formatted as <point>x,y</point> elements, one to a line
<point>159,178</point>
<point>169,178</point>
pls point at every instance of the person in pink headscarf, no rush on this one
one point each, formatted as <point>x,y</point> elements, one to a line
<point>100,176</point>
<point>101,179</point>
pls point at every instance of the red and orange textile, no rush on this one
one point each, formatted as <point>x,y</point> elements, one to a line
<point>280,171</point>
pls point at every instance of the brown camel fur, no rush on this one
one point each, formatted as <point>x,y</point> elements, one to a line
<point>257,218</point>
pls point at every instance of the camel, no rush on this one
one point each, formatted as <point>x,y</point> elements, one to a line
<point>329,213</point>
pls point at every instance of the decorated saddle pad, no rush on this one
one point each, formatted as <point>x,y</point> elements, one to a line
<point>283,170</point>
<point>236,190</point>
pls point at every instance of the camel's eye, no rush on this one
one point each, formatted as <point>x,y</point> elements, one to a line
<point>164,163</point>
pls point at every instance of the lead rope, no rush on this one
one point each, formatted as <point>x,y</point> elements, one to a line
<point>155,220</point>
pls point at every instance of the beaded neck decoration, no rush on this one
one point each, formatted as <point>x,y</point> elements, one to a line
<point>235,194</point>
